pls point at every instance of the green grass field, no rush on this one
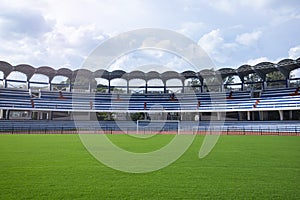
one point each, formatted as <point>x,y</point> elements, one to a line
<point>239,167</point>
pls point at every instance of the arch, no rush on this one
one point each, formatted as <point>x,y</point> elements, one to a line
<point>16,79</point>
<point>174,85</point>
<point>102,84</point>
<point>170,75</point>
<point>39,81</point>
<point>152,75</point>
<point>191,81</point>
<point>136,75</point>
<point>101,73</point>
<point>244,70</point>
<point>118,85</point>
<point>154,82</point>
<point>64,72</point>
<point>6,68</point>
<point>225,72</point>
<point>2,79</point>
<point>117,74</point>
<point>47,71</point>
<point>28,70</point>
<point>60,82</point>
<point>136,85</point>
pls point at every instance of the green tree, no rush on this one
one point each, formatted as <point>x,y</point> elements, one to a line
<point>252,81</point>
<point>275,79</point>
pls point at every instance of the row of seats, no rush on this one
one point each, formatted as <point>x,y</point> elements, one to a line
<point>275,92</point>
<point>53,100</point>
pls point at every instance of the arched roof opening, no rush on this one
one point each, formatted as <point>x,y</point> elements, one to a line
<point>101,73</point>
<point>152,75</point>
<point>174,85</point>
<point>47,71</point>
<point>64,72</point>
<point>6,68</point>
<point>244,70</point>
<point>39,81</point>
<point>60,79</point>
<point>16,79</point>
<point>118,74</point>
<point>1,75</point>
<point>37,77</point>
<point>28,70</point>
<point>102,85</point>
<point>118,85</point>
<point>168,75</point>
<point>136,75</point>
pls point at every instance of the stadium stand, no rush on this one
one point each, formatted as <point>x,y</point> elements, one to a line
<point>198,104</point>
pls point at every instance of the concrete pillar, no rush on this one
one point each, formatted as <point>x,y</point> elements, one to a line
<point>281,115</point>
<point>290,115</point>
<point>28,84</point>
<point>200,116</point>
<point>7,114</point>
<point>146,87</point>
<point>253,115</point>
<point>261,115</point>
<point>287,83</point>
<point>219,115</point>
<point>248,115</point>
<point>109,90</point>
<point>5,82</point>
<point>127,87</point>
<point>1,114</point>
<point>50,116</point>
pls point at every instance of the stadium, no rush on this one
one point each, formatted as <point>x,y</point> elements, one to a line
<point>42,157</point>
<point>263,105</point>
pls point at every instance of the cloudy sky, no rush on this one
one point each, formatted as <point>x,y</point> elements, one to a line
<point>62,33</point>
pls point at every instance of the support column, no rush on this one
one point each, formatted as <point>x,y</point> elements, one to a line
<point>287,83</point>
<point>127,86</point>
<point>7,114</point>
<point>248,115</point>
<point>261,115</point>
<point>290,115</point>
<point>146,87</point>
<point>242,86</point>
<point>281,115</point>
<point>1,114</point>
<point>28,84</point>
<point>219,115</point>
<point>5,82</point>
<point>109,90</point>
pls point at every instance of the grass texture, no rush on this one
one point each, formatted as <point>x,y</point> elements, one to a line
<point>239,167</point>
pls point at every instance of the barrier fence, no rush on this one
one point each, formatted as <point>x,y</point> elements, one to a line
<point>229,130</point>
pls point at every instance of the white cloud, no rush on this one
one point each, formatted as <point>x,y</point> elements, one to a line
<point>248,39</point>
<point>223,6</point>
<point>216,47</point>
<point>62,33</point>
<point>192,29</point>
<point>294,52</point>
<point>257,60</point>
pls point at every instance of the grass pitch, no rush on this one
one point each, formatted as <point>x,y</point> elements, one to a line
<point>239,167</point>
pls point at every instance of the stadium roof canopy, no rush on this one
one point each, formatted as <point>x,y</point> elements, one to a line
<point>285,66</point>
